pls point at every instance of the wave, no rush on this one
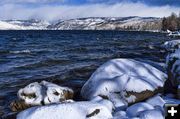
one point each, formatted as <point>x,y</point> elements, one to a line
<point>19,52</point>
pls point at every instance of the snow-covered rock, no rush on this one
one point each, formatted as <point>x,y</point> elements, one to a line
<point>120,115</point>
<point>152,114</point>
<point>171,100</point>
<point>158,65</point>
<point>156,101</point>
<point>173,55</point>
<point>44,93</point>
<point>104,102</point>
<point>119,103</point>
<point>170,46</point>
<point>136,109</point>
<point>76,110</point>
<point>173,70</point>
<point>132,80</point>
<point>173,67</point>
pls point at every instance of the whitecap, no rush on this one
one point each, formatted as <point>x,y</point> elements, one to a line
<point>22,51</point>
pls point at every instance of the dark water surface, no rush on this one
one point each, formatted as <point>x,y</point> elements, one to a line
<point>67,57</point>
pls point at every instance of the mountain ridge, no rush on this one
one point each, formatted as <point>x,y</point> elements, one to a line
<point>89,23</point>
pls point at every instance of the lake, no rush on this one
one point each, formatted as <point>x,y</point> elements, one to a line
<point>67,57</point>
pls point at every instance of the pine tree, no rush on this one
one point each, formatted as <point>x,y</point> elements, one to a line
<point>178,21</point>
<point>172,22</point>
<point>173,25</point>
<point>164,24</point>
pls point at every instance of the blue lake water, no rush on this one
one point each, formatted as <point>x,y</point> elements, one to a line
<point>67,57</point>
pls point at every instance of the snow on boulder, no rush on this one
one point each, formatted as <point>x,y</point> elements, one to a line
<point>172,45</point>
<point>171,100</point>
<point>156,101</point>
<point>132,80</point>
<point>44,93</point>
<point>118,102</point>
<point>104,102</point>
<point>136,109</point>
<point>173,56</point>
<point>120,115</point>
<point>75,110</point>
<point>152,114</point>
<point>173,69</point>
<point>158,65</point>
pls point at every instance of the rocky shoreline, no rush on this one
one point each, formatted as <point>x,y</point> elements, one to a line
<point>119,89</point>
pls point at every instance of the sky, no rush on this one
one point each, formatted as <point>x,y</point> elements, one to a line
<point>52,10</point>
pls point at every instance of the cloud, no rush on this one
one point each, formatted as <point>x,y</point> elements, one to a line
<point>147,2</point>
<point>51,12</point>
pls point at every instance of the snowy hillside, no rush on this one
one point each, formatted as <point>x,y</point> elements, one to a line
<point>91,23</point>
<point>102,23</point>
<point>23,25</point>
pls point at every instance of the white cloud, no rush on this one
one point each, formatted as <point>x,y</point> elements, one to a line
<point>48,12</point>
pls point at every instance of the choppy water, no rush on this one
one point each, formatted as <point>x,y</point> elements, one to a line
<point>68,57</point>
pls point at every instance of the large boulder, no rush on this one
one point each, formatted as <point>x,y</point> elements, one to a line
<point>75,110</point>
<point>132,80</point>
<point>44,93</point>
<point>41,94</point>
<point>173,70</point>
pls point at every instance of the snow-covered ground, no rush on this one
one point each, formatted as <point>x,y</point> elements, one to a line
<point>23,25</point>
<point>101,23</point>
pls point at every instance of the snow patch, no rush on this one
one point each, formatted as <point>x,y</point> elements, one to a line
<point>156,101</point>
<point>76,110</point>
<point>120,115</point>
<point>152,114</point>
<point>136,109</point>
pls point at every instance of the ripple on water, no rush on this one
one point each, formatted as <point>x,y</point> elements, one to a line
<point>66,57</point>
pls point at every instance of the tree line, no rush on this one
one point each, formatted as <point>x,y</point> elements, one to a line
<point>171,22</point>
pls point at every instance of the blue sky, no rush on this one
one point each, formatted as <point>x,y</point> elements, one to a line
<point>82,2</point>
<point>67,9</point>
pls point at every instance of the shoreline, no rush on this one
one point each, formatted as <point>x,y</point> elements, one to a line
<point>77,71</point>
<point>81,99</point>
